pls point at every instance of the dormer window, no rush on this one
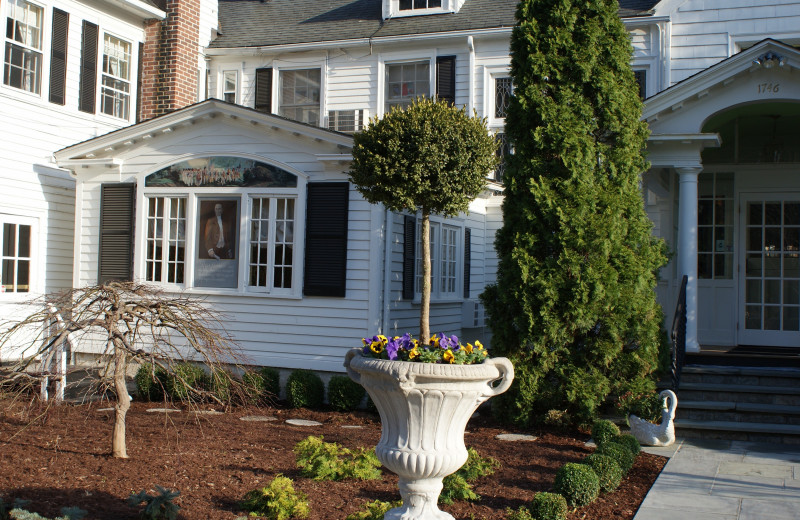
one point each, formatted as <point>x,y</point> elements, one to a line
<point>408,5</point>
<point>393,8</point>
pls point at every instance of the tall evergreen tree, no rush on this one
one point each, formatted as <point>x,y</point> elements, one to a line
<point>574,305</point>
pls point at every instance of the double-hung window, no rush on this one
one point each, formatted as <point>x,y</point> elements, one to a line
<point>116,86</point>
<point>23,47</point>
<point>271,242</point>
<point>15,257</point>
<point>445,240</point>
<point>410,5</point>
<point>406,81</point>
<point>229,86</point>
<point>300,95</point>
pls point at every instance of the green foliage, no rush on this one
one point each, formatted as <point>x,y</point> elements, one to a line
<point>184,377</point>
<point>607,470</point>
<point>18,512</point>
<point>603,431</point>
<point>344,394</point>
<point>304,389</point>
<point>277,501</point>
<point>577,483</point>
<point>272,381</point>
<point>374,510</point>
<point>329,461</point>
<point>630,442</point>
<point>557,418</point>
<point>262,385</point>
<point>620,453</point>
<point>548,506</point>
<point>574,306</point>
<point>519,514</point>
<point>151,382</point>
<point>457,486</point>
<point>646,405</point>
<point>156,507</point>
<point>221,383</point>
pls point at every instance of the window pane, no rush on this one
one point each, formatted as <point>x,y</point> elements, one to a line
<point>752,317</point>
<point>23,276</point>
<point>9,239</point>
<point>405,81</point>
<point>300,95</point>
<point>502,96</point>
<point>24,241</point>
<point>165,251</point>
<point>791,318</point>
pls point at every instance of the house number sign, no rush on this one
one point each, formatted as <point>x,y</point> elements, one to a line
<point>769,88</point>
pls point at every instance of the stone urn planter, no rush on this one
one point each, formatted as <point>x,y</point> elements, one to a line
<point>424,410</point>
<point>649,434</point>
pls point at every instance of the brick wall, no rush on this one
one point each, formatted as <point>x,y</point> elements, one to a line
<point>169,61</point>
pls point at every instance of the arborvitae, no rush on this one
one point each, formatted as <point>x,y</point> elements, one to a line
<point>574,305</point>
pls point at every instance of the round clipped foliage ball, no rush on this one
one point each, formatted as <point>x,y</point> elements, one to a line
<point>630,442</point>
<point>272,382</point>
<point>549,506</point>
<point>577,483</point>
<point>603,431</point>
<point>304,389</point>
<point>184,376</point>
<point>620,453</point>
<point>607,470</point>
<point>150,382</point>
<point>344,394</point>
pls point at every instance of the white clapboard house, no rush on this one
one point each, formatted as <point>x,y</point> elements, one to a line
<point>244,199</point>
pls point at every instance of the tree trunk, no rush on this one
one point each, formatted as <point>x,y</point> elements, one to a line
<point>425,300</point>
<point>118,444</point>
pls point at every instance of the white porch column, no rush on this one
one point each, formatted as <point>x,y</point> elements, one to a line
<point>687,248</point>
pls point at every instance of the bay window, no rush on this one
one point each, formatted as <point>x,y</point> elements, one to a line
<point>23,47</point>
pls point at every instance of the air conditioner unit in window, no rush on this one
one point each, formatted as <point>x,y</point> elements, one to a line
<point>347,121</point>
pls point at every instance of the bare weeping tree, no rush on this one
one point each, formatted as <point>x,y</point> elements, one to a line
<point>124,322</point>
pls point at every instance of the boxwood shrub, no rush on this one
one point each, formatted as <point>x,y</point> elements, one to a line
<point>344,394</point>
<point>151,382</point>
<point>577,483</point>
<point>620,453</point>
<point>608,471</point>
<point>304,389</point>
<point>549,506</point>
<point>604,431</point>
<point>630,442</point>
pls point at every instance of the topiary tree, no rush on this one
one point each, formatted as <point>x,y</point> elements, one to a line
<point>574,305</point>
<point>129,322</point>
<point>431,157</point>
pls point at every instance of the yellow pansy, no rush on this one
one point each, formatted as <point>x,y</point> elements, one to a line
<point>478,345</point>
<point>448,356</point>
<point>413,353</point>
<point>468,348</point>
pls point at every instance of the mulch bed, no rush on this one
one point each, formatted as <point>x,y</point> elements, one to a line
<point>60,456</point>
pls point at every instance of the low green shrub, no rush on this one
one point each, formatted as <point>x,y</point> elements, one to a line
<point>457,486</point>
<point>603,431</point>
<point>344,394</point>
<point>272,382</point>
<point>519,514</point>
<point>277,501</point>
<point>304,389</point>
<point>548,506</point>
<point>607,469</point>
<point>151,382</point>
<point>646,405</point>
<point>221,384</point>
<point>620,453</point>
<point>577,483</point>
<point>185,376</point>
<point>477,466</point>
<point>374,510</point>
<point>156,507</point>
<point>329,461</point>
<point>630,442</point>
<point>253,387</point>
<point>18,513</point>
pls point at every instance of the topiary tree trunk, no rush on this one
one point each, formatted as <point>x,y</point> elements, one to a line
<point>574,305</point>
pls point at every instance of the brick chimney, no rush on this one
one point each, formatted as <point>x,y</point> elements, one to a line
<point>169,59</point>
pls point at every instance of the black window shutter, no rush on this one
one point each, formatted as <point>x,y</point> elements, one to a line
<point>58,56</point>
<point>326,239</point>
<point>446,78</point>
<point>139,83</point>
<point>264,90</point>
<point>467,259</point>
<point>117,214</point>
<point>641,80</point>
<point>409,255</point>
<point>88,80</point>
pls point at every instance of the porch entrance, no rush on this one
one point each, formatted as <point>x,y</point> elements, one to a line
<point>769,270</point>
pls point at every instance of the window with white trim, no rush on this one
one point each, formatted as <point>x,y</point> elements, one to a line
<point>498,109</point>
<point>299,95</point>
<point>410,5</point>
<point>405,82</point>
<point>115,91</point>
<point>165,253</point>
<point>229,85</point>
<point>22,66</point>
<point>445,259</point>
<point>15,257</point>
<point>272,242</point>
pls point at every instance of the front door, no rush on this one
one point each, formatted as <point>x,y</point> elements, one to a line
<point>769,270</point>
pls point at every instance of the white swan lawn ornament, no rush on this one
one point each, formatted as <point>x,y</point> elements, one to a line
<point>649,434</point>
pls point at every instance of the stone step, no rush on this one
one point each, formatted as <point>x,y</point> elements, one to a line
<point>732,406</point>
<point>741,376</point>
<point>776,395</point>
<point>789,372</point>
<point>734,430</point>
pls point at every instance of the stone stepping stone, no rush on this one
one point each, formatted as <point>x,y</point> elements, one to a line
<point>352,426</point>
<point>162,410</point>
<point>105,409</point>
<point>303,422</point>
<point>257,418</point>
<point>515,437</point>
<point>206,412</point>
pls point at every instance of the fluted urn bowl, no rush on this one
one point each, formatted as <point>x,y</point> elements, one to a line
<point>424,410</point>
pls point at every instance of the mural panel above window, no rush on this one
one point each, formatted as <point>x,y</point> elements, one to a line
<point>216,172</point>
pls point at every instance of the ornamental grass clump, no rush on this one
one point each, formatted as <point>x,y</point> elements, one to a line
<point>548,506</point>
<point>620,453</point>
<point>304,389</point>
<point>577,483</point>
<point>344,394</point>
<point>604,431</point>
<point>277,501</point>
<point>321,460</point>
<point>608,471</point>
<point>441,349</point>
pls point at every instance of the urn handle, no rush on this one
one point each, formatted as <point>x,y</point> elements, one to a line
<point>355,376</point>
<point>506,370</point>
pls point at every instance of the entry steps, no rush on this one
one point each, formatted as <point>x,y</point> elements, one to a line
<point>739,403</point>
